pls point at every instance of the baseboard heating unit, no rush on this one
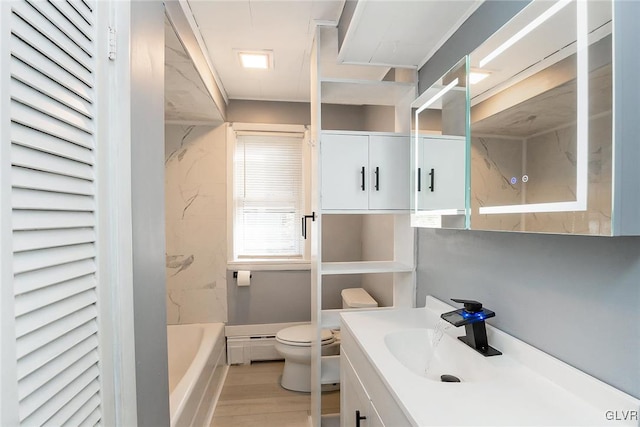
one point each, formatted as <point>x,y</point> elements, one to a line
<point>253,343</point>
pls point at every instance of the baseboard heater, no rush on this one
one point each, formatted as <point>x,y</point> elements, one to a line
<point>253,343</point>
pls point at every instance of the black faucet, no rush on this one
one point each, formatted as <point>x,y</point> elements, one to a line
<point>472,317</point>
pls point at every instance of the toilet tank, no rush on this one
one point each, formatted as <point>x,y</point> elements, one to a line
<point>357,298</point>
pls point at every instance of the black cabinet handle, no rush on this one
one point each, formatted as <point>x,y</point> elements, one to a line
<point>377,172</point>
<point>304,223</point>
<point>419,179</point>
<point>358,418</point>
<point>432,174</point>
<point>362,177</point>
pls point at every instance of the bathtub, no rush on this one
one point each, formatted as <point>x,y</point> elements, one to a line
<point>197,369</point>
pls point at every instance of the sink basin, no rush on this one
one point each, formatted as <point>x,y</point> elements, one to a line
<point>424,355</point>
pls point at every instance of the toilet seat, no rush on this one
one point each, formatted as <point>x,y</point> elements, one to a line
<point>302,335</point>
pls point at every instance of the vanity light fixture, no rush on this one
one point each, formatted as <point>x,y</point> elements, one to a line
<point>437,96</point>
<point>524,31</point>
<point>476,76</point>
<point>582,133</point>
<point>260,59</point>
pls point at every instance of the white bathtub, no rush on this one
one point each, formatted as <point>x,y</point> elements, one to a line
<point>197,369</point>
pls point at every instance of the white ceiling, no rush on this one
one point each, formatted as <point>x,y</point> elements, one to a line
<point>402,33</point>
<point>285,27</point>
<point>390,32</point>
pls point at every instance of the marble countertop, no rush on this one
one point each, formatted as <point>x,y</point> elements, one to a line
<point>525,386</point>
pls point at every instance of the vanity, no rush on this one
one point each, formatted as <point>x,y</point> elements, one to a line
<point>383,360</point>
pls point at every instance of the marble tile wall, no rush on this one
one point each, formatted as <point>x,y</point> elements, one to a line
<point>494,160</point>
<point>196,224</point>
<point>553,159</point>
<point>551,167</point>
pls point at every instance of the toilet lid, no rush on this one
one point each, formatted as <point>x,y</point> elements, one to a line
<point>302,335</point>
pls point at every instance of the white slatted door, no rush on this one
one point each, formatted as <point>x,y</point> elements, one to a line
<point>53,139</point>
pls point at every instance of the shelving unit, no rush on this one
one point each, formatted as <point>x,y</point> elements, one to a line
<point>363,267</point>
<point>384,264</point>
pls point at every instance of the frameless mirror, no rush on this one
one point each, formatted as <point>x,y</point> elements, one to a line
<point>541,121</point>
<point>440,151</point>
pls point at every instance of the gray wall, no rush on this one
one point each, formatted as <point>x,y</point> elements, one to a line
<point>285,296</point>
<point>489,17</point>
<point>575,297</point>
<point>147,190</point>
<point>272,297</point>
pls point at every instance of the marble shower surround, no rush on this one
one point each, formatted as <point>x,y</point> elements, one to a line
<point>196,223</point>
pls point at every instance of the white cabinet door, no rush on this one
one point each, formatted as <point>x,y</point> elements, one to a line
<point>345,163</point>
<point>389,158</point>
<point>442,173</point>
<point>356,408</point>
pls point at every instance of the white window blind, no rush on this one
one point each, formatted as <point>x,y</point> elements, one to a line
<point>268,196</point>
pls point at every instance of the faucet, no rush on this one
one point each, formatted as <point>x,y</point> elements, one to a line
<point>472,317</point>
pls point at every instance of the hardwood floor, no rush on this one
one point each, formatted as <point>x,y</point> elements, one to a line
<point>252,397</point>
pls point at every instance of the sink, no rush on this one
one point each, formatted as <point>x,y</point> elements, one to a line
<point>414,349</point>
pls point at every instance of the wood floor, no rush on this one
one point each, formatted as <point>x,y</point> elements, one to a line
<point>252,397</point>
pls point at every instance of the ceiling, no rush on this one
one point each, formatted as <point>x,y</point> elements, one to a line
<point>402,33</point>
<point>384,32</point>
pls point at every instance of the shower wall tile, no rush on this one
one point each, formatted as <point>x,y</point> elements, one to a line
<point>196,225</point>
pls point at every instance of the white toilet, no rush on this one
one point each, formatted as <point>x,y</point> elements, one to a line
<point>294,343</point>
<point>357,298</point>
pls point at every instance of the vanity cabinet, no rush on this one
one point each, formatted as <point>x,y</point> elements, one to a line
<point>356,405</point>
<point>441,172</point>
<point>362,389</point>
<point>364,171</point>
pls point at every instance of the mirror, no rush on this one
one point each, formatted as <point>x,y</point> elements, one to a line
<point>541,121</point>
<point>439,152</point>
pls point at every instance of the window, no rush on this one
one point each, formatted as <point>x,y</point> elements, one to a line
<point>268,196</point>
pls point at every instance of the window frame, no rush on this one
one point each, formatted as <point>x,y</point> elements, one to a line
<point>266,263</point>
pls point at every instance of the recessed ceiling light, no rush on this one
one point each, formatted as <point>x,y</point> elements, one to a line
<point>262,59</point>
<point>476,76</point>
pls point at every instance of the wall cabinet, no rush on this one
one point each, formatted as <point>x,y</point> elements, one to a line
<point>364,171</point>
<point>441,172</point>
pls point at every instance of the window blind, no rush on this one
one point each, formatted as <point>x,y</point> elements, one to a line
<point>268,196</point>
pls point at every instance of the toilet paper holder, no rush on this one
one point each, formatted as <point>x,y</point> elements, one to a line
<point>235,275</point>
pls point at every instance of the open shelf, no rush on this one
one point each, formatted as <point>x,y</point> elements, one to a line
<point>330,370</point>
<point>364,92</point>
<point>330,420</point>
<point>364,267</point>
<point>331,317</point>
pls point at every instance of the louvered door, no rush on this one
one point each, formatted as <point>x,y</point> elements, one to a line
<point>53,139</point>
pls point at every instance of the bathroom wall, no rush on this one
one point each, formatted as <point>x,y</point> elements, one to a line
<point>142,51</point>
<point>575,297</point>
<point>285,296</point>
<point>196,223</point>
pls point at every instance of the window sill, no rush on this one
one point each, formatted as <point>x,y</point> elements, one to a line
<point>269,265</point>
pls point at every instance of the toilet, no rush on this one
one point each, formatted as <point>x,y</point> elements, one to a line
<point>357,298</point>
<point>294,343</point>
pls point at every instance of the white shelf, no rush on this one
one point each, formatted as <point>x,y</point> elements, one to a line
<point>330,318</point>
<point>330,420</point>
<point>364,92</point>
<point>330,370</point>
<point>364,267</point>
